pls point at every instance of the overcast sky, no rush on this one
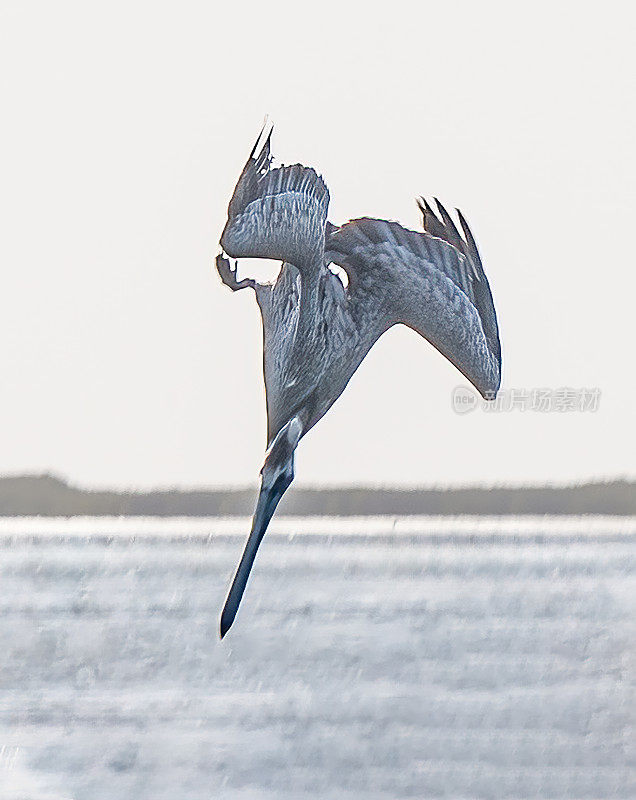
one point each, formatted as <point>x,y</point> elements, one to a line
<point>126,362</point>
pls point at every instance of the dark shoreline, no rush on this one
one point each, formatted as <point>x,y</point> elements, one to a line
<point>48,495</point>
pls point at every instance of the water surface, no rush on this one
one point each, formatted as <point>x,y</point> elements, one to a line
<point>372,658</point>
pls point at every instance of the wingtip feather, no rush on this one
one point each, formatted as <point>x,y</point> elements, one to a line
<point>450,223</point>
<point>259,155</point>
<point>470,239</point>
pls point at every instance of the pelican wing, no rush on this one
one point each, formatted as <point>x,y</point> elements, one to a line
<point>276,213</point>
<point>433,282</point>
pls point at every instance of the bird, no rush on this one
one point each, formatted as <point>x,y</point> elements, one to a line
<point>318,324</point>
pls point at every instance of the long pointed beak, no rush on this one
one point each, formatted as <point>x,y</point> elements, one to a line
<point>268,499</point>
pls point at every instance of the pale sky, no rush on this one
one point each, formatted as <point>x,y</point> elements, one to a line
<point>126,362</point>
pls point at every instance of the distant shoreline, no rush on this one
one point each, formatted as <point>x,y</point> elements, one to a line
<point>51,496</point>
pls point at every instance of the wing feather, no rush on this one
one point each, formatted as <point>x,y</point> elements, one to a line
<point>433,282</point>
<point>277,213</point>
<point>480,293</point>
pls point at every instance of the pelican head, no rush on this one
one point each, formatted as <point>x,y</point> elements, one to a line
<point>276,476</point>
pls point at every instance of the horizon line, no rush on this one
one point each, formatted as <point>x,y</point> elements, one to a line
<point>342,487</point>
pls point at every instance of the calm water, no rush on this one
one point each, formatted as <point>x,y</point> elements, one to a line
<point>372,658</point>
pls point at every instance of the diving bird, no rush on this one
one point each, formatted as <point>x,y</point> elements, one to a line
<point>317,330</point>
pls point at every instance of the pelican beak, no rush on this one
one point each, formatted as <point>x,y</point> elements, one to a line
<point>277,474</point>
<point>268,499</point>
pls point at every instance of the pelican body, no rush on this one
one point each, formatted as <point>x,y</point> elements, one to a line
<point>316,331</point>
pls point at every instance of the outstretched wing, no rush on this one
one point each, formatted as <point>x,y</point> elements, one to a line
<point>276,213</point>
<point>433,282</point>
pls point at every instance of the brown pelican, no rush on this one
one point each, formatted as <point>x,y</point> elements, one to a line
<point>316,331</point>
